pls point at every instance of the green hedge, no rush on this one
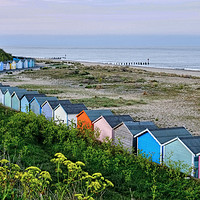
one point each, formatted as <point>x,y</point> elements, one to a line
<point>27,139</point>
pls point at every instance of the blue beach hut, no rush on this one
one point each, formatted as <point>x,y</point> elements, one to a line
<point>26,99</point>
<point>49,105</point>
<point>8,93</point>
<point>19,64</point>
<point>151,142</point>
<point>36,103</point>
<point>183,150</point>
<point>2,93</point>
<point>125,132</point>
<point>25,61</point>
<point>1,66</point>
<point>17,95</point>
<point>31,62</point>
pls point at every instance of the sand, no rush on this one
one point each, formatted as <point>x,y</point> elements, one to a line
<point>177,111</point>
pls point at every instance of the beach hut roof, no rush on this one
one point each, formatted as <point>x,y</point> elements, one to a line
<point>41,100</point>
<point>29,97</point>
<point>94,114</point>
<point>137,127</point>
<point>3,89</point>
<point>55,103</point>
<point>164,135</point>
<point>20,93</point>
<point>114,120</point>
<point>12,89</point>
<point>19,90</point>
<point>74,108</point>
<point>193,143</point>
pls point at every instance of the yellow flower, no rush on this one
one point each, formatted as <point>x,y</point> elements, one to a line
<point>32,168</point>
<point>109,183</point>
<point>4,161</point>
<point>80,163</point>
<point>97,174</point>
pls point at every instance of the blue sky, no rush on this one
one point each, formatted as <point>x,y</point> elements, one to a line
<point>91,17</point>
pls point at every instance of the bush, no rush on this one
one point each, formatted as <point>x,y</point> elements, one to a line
<point>28,140</point>
<point>33,183</point>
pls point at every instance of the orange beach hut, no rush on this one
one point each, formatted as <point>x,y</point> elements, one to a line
<point>86,117</point>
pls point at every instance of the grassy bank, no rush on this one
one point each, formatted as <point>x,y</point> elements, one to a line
<point>5,56</point>
<point>30,140</point>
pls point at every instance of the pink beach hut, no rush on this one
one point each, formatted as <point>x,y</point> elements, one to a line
<point>105,125</point>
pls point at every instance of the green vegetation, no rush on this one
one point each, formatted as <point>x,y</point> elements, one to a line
<point>72,182</point>
<point>121,80</point>
<point>97,102</point>
<point>30,140</point>
<point>42,89</point>
<point>5,56</point>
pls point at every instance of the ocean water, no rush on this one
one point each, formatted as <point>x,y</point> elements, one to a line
<point>161,57</point>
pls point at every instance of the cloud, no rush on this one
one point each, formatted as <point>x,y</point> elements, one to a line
<point>100,16</point>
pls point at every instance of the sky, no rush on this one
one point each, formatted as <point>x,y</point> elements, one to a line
<point>100,17</point>
<point>88,17</point>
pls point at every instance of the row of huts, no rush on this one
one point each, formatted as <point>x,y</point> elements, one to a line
<point>163,145</point>
<point>17,63</point>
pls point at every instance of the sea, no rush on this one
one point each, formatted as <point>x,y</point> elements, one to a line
<point>183,58</point>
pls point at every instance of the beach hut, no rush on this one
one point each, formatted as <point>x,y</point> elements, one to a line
<point>86,117</point>
<point>13,64</point>
<point>36,103</point>
<point>4,65</point>
<point>49,105</point>
<point>8,65</point>
<point>19,64</point>
<point>1,66</point>
<point>2,93</point>
<point>31,62</point>
<point>151,142</point>
<point>183,150</point>
<point>26,99</point>
<point>25,63</point>
<point>125,132</point>
<point>105,125</point>
<point>8,93</point>
<point>67,113</point>
<point>16,96</point>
